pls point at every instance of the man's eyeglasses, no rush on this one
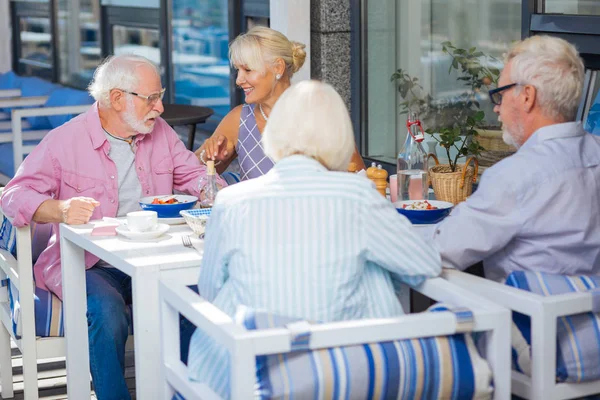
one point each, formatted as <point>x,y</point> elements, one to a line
<point>496,94</point>
<point>150,99</point>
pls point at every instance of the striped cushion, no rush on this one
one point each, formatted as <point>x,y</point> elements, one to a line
<point>8,236</point>
<point>578,336</point>
<point>48,312</point>
<point>427,368</point>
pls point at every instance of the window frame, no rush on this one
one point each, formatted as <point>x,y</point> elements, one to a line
<point>581,30</point>
<point>19,9</point>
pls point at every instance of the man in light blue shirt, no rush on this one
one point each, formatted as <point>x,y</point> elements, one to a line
<point>538,210</point>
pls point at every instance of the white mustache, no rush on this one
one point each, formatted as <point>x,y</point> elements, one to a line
<point>152,114</point>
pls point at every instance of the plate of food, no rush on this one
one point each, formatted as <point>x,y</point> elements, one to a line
<point>168,206</point>
<point>424,211</point>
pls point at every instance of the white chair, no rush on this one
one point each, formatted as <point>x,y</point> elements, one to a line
<point>245,345</point>
<point>20,273</point>
<point>11,98</point>
<point>544,313</point>
<point>19,132</point>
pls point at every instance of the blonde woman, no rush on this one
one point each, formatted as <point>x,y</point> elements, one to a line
<point>306,240</point>
<point>265,61</point>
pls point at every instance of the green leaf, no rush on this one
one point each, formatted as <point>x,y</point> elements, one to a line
<point>479,115</point>
<point>446,43</point>
<point>472,49</point>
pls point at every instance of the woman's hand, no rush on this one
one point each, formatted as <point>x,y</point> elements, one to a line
<point>214,148</point>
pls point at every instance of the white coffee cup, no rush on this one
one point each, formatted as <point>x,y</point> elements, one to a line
<point>142,221</point>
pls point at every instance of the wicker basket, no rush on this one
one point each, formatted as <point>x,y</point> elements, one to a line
<point>491,140</point>
<point>453,186</point>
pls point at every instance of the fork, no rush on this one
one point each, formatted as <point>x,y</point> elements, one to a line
<point>187,242</point>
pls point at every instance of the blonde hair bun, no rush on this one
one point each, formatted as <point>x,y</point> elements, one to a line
<point>261,46</point>
<point>298,55</point>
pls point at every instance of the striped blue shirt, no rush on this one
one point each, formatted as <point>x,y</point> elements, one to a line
<point>305,242</point>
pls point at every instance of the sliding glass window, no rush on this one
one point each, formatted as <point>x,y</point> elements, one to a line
<point>411,35</point>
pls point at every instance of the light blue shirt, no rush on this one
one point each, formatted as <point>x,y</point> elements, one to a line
<point>305,242</point>
<point>538,210</point>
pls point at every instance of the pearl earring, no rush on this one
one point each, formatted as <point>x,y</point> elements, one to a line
<point>278,76</point>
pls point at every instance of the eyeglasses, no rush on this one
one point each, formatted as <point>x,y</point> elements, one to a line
<point>151,99</point>
<point>496,94</point>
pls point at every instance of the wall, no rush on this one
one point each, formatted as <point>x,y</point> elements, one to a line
<point>330,42</point>
<point>5,37</point>
<point>291,17</point>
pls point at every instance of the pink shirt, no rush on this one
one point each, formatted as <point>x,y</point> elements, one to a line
<point>72,161</point>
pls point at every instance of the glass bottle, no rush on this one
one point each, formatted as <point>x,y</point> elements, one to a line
<point>412,163</point>
<point>208,186</point>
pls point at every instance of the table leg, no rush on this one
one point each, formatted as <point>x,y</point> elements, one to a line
<point>75,320</point>
<point>191,136</point>
<point>146,331</point>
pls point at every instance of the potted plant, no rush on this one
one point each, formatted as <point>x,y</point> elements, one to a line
<point>452,121</point>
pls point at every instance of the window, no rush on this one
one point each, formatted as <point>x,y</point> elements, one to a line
<point>591,114</point>
<point>78,41</point>
<point>409,35</point>
<point>199,56</point>
<point>574,7</point>
<point>579,23</point>
<point>33,40</point>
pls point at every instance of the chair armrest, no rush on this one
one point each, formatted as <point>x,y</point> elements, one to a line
<point>520,300</point>
<point>10,93</point>
<point>222,328</point>
<point>45,111</point>
<point>10,102</point>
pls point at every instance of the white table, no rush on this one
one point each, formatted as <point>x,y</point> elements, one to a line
<point>146,263</point>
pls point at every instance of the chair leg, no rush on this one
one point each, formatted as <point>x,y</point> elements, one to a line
<point>30,371</point>
<point>6,375</point>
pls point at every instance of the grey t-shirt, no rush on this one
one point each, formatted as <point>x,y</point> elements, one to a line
<point>130,189</point>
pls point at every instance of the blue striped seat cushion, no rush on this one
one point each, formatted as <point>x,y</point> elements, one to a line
<point>48,307</point>
<point>48,312</point>
<point>426,368</point>
<point>578,336</point>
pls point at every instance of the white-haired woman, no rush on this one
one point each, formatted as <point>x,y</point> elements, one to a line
<point>265,61</point>
<point>307,240</point>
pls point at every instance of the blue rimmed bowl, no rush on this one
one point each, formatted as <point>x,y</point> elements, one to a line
<point>420,217</point>
<point>184,202</point>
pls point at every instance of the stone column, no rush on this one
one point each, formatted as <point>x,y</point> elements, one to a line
<point>330,43</point>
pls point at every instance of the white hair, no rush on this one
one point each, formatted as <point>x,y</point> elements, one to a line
<point>310,118</point>
<point>554,67</point>
<point>117,72</point>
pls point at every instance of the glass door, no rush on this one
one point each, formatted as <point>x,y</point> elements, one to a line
<point>199,54</point>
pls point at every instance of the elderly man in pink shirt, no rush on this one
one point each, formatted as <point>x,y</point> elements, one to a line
<point>99,164</point>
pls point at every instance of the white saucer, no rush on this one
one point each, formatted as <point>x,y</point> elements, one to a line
<point>160,230</point>
<point>172,221</point>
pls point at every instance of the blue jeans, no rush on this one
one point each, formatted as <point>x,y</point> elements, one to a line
<point>108,294</point>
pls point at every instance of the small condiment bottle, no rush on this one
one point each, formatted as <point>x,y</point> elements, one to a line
<point>380,176</point>
<point>371,170</point>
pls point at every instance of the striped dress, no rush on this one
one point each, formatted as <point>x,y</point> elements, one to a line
<point>305,242</point>
<point>251,155</point>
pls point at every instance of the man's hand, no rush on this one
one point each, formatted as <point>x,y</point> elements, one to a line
<point>78,210</point>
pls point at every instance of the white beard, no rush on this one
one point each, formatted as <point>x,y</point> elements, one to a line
<point>511,139</point>
<point>138,125</point>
